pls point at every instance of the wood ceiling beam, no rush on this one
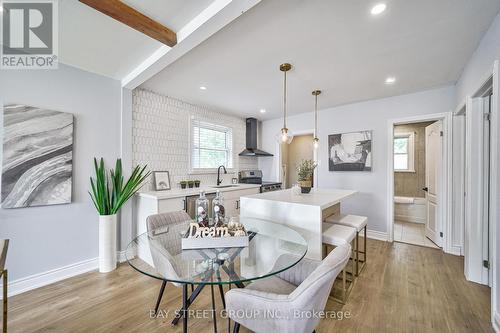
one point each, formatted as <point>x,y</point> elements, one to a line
<point>134,19</point>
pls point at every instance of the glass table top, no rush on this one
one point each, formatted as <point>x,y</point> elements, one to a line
<point>273,248</point>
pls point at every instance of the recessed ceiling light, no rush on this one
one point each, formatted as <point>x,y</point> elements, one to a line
<point>203,88</point>
<point>390,80</point>
<point>378,9</point>
<point>262,110</point>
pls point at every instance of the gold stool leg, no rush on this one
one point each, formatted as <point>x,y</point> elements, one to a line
<point>354,259</point>
<point>364,246</point>
<point>344,286</point>
<point>357,253</point>
<point>4,321</point>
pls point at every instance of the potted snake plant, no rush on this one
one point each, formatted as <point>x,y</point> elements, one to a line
<point>305,172</point>
<point>109,193</point>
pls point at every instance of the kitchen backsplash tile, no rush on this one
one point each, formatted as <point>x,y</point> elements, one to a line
<point>160,136</point>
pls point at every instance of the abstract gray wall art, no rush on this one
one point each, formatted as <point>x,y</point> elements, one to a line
<point>350,151</point>
<point>37,157</point>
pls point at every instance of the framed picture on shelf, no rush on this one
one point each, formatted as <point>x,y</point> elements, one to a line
<point>161,180</point>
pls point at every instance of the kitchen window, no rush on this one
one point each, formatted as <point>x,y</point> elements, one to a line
<point>211,146</point>
<point>404,152</point>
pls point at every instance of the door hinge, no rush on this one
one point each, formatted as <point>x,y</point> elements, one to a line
<point>486,264</point>
<point>441,133</point>
<point>441,234</point>
<point>487,116</point>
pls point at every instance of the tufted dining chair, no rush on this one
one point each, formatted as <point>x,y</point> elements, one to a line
<point>284,303</point>
<point>163,249</point>
<point>158,224</point>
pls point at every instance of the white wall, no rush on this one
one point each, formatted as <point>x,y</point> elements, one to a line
<point>475,72</point>
<point>45,238</point>
<point>480,64</point>
<point>370,115</point>
<point>160,136</point>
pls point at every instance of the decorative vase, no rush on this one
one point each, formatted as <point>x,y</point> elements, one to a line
<point>107,243</point>
<point>305,186</point>
<point>183,185</point>
<point>196,183</point>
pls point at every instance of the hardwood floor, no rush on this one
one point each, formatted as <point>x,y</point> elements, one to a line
<point>404,288</point>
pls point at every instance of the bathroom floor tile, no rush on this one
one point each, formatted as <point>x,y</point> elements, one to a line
<point>412,233</point>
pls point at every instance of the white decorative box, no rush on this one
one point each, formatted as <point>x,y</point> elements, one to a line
<point>214,242</point>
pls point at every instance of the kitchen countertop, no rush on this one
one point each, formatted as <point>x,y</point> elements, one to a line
<point>323,198</point>
<point>179,193</point>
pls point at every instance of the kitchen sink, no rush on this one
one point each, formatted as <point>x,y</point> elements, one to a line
<point>224,186</point>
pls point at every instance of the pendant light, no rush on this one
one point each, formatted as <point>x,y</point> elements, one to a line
<point>315,139</point>
<point>286,135</point>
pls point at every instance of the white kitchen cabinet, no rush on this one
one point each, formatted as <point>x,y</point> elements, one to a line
<point>156,202</point>
<point>232,201</point>
<point>145,206</point>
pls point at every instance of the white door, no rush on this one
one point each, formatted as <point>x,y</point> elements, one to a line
<point>487,278</point>
<point>433,172</point>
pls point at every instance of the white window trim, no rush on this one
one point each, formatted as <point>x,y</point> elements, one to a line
<point>411,150</point>
<point>200,171</point>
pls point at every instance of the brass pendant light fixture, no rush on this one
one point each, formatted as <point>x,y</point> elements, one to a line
<point>316,139</point>
<point>286,136</point>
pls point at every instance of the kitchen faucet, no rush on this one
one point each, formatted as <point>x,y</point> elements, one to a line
<point>218,174</point>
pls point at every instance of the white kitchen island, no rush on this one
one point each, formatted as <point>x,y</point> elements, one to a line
<point>304,213</point>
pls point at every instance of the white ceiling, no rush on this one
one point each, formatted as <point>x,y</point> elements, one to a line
<point>97,43</point>
<point>173,14</point>
<point>335,46</point>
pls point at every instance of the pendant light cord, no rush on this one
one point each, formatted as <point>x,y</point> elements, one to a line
<point>315,116</point>
<point>284,102</point>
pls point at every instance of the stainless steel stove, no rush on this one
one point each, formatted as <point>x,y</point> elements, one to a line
<point>255,177</point>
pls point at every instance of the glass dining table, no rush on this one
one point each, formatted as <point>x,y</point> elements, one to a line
<point>158,254</point>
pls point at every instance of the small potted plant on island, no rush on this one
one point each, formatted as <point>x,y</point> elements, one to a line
<point>183,184</point>
<point>197,183</point>
<point>109,193</point>
<point>190,183</point>
<point>305,172</point>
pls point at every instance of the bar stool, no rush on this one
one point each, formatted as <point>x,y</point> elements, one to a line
<point>359,223</point>
<point>336,235</point>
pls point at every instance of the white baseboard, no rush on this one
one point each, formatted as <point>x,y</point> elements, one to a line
<point>378,235</point>
<point>496,322</point>
<point>455,250</point>
<point>35,281</point>
<point>121,256</point>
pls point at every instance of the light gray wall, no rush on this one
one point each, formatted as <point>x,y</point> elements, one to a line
<point>477,69</point>
<point>45,238</point>
<point>480,64</point>
<point>373,115</point>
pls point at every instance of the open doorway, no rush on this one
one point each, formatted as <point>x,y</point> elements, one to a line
<point>301,148</point>
<point>478,229</point>
<point>417,165</point>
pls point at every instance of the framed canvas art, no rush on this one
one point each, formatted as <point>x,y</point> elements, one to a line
<point>350,151</point>
<point>37,157</point>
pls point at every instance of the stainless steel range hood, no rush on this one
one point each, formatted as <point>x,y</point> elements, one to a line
<point>251,149</point>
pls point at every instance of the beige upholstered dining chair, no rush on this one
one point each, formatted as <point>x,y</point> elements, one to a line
<point>159,223</point>
<point>4,245</point>
<point>162,252</point>
<point>284,303</point>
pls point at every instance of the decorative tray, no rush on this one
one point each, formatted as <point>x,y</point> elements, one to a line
<point>212,237</point>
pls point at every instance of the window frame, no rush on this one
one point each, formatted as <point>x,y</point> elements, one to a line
<point>411,151</point>
<point>195,122</point>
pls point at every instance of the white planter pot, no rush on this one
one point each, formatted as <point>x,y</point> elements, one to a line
<point>107,243</point>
